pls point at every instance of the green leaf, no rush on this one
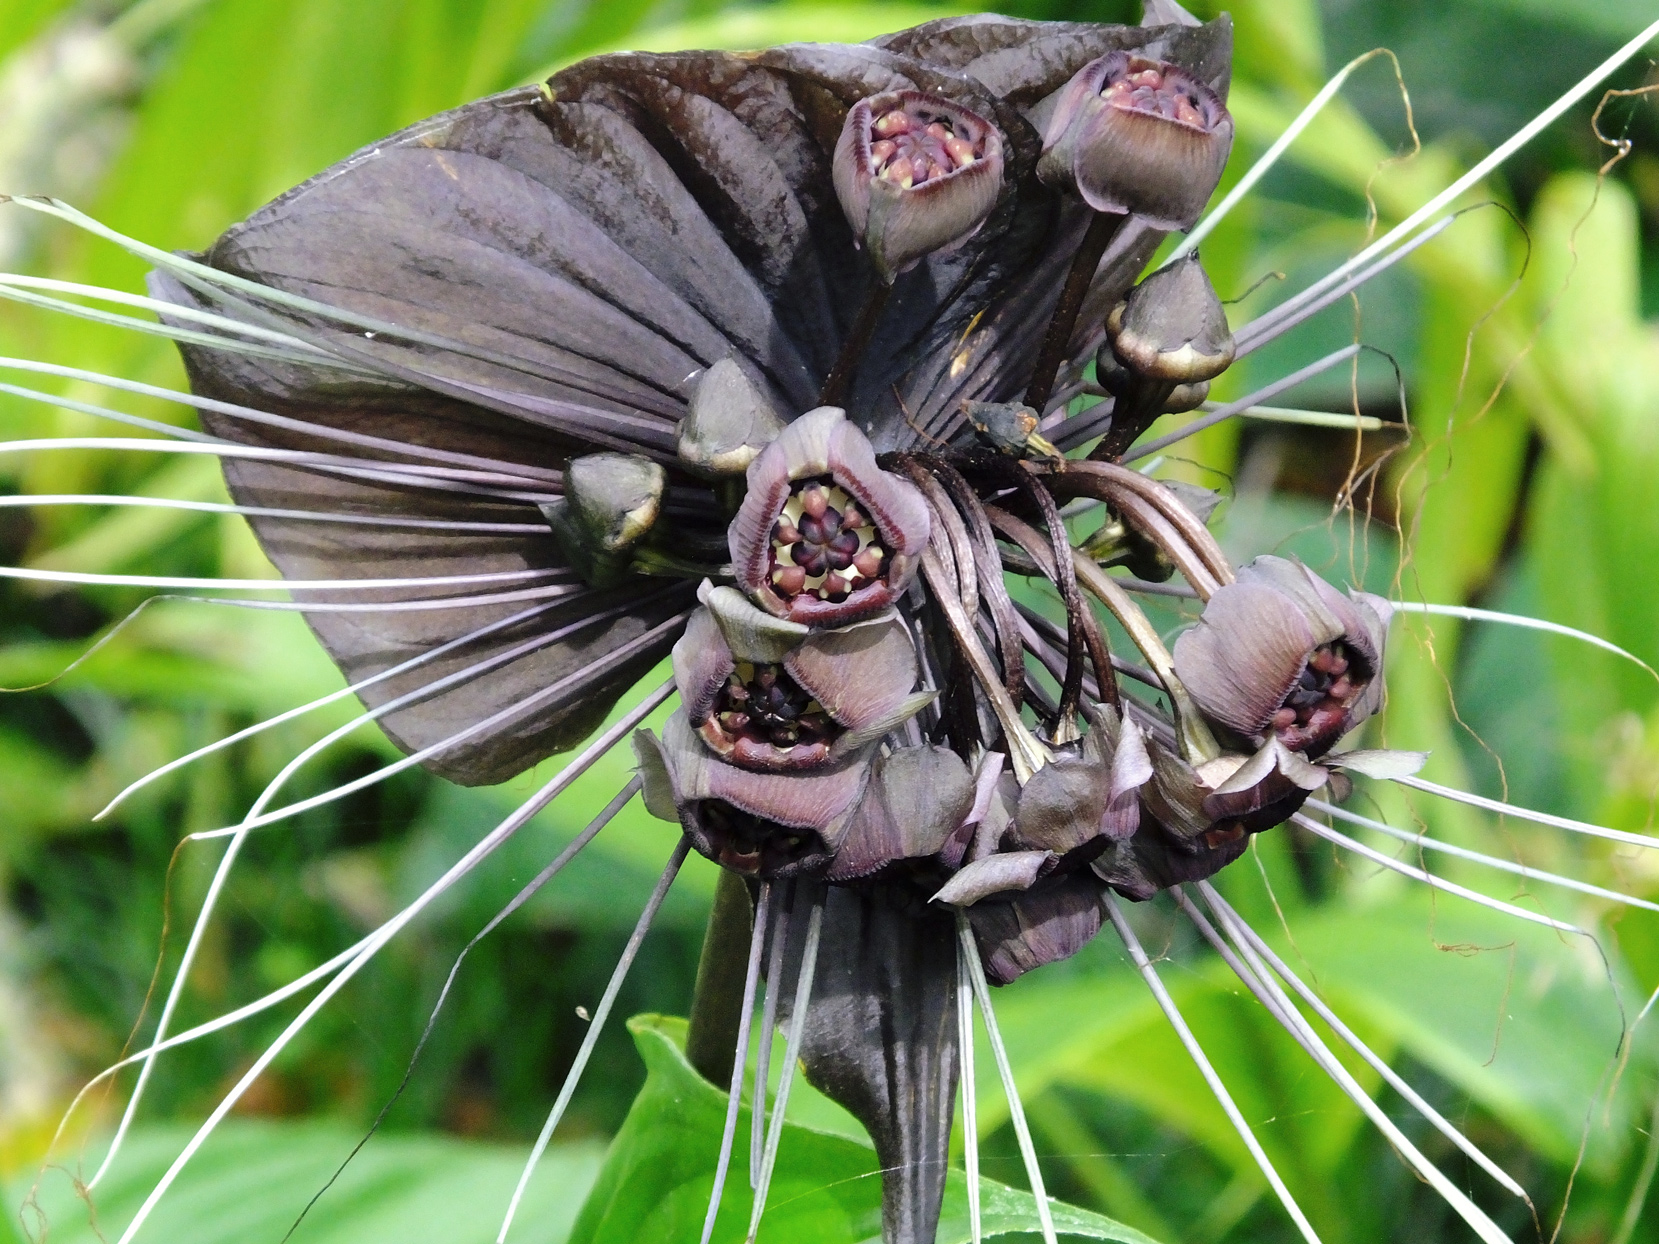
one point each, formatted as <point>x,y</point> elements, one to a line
<point>656,1180</point>
<point>252,1179</point>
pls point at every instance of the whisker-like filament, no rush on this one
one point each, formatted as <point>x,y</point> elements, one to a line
<point>1477,857</point>
<point>1255,978</point>
<point>798,1008</point>
<point>459,526</point>
<point>595,1026</point>
<point>277,585</point>
<point>970,1105</point>
<point>302,353</point>
<point>377,940</point>
<point>1143,964</point>
<point>17,282</point>
<point>1432,881</point>
<point>363,684</point>
<point>249,414</point>
<point>1527,814</point>
<point>1472,614</point>
<point>968,958</point>
<point>1256,334</point>
<point>1270,157</point>
<point>403,474</point>
<point>526,705</point>
<point>1474,176</point>
<point>734,1098</point>
<point>630,788</point>
<point>1265,394</point>
<point>1394,1080</point>
<point>781,918</point>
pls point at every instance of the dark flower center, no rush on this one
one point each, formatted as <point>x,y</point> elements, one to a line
<point>1162,91</point>
<point>909,147</point>
<point>747,844</point>
<point>764,704</point>
<point>824,544</point>
<point>1316,710</point>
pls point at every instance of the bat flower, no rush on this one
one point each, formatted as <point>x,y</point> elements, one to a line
<point>1130,134</point>
<point>514,402</point>
<point>824,535</point>
<point>916,174</point>
<point>1281,651</point>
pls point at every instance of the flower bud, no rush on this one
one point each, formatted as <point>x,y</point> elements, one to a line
<point>1134,135</point>
<point>824,535</point>
<point>915,174</point>
<point>1281,651</point>
<point>728,422</point>
<point>610,502</point>
<point>1172,327</point>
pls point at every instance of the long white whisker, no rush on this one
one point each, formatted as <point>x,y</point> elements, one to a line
<point>734,1099</point>
<point>1380,1065</point>
<point>274,585</point>
<point>970,1106</point>
<point>1270,157</point>
<point>1470,613</point>
<point>194,315</point>
<point>421,604</point>
<point>1173,1013</point>
<point>1506,149</point>
<point>31,500</point>
<point>595,1026</point>
<point>528,704</point>
<point>968,956</point>
<point>490,466</point>
<point>768,1027</point>
<point>1245,403</point>
<point>308,356</point>
<point>384,934</point>
<point>208,1028</point>
<point>1307,418</point>
<point>1476,857</point>
<point>1429,879</point>
<point>1254,975</point>
<point>1527,814</point>
<point>791,1056</point>
<point>403,474</point>
<point>362,684</point>
<point>1254,335</point>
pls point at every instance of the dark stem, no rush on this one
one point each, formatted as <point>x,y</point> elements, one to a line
<point>1102,229</point>
<point>717,1001</point>
<point>852,350</point>
<point>1134,410</point>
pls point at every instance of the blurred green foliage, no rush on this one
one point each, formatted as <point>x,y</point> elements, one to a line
<point>1532,385</point>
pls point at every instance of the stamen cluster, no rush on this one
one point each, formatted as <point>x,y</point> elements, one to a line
<point>913,145</point>
<point>823,544</point>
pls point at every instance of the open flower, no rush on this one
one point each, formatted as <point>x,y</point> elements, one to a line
<point>829,693</point>
<point>915,174</point>
<point>1281,650</point>
<point>1130,134</point>
<point>825,536</point>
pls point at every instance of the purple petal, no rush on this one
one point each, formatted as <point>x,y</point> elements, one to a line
<point>859,673</point>
<point>995,874</point>
<point>702,661</point>
<point>1051,922</point>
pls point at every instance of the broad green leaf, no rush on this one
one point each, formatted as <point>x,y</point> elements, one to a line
<point>252,1180</point>
<point>655,1184</point>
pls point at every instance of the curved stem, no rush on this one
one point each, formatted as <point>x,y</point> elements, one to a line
<point>1102,229</point>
